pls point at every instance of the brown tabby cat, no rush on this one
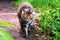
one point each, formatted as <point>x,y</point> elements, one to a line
<point>25,13</point>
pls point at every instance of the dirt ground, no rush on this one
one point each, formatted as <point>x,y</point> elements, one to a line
<point>9,14</point>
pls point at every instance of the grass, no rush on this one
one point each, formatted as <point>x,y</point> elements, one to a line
<point>4,23</point>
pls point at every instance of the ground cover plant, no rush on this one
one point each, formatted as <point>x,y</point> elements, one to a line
<point>50,20</point>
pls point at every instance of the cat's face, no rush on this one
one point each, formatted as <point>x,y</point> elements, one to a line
<point>27,13</point>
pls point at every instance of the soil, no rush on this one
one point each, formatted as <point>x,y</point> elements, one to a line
<point>8,13</point>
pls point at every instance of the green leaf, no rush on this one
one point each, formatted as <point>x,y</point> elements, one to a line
<point>3,23</point>
<point>4,35</point>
